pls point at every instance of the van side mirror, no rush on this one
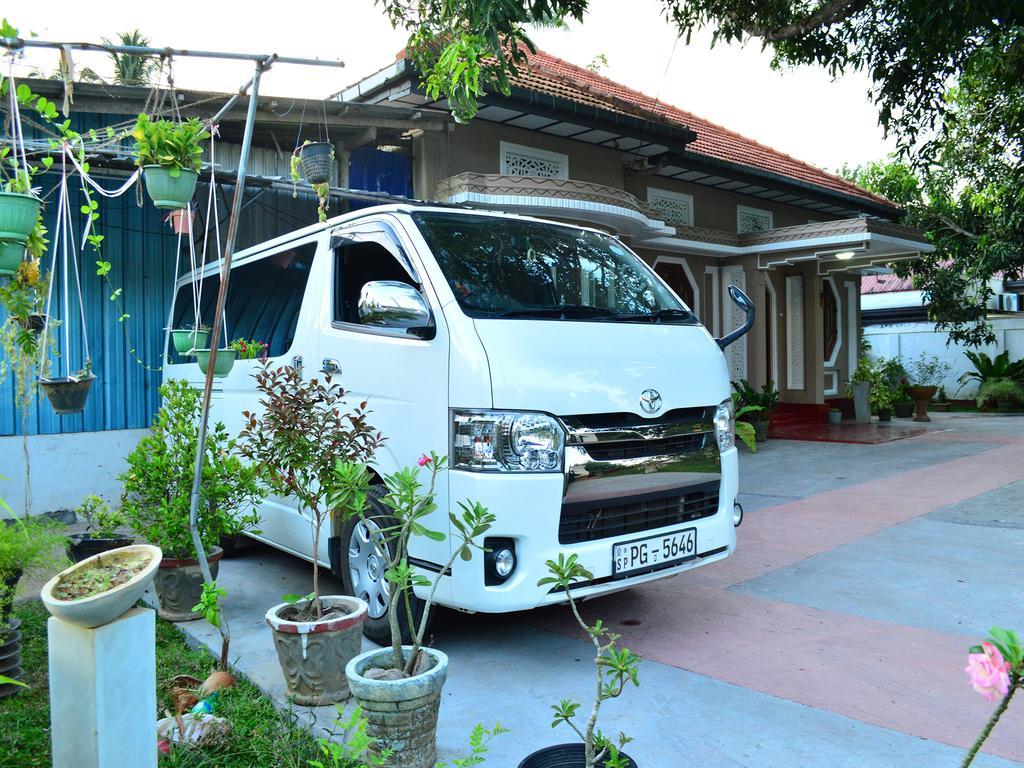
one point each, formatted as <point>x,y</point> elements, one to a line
<point>743,302</point>
<point>393,304</point>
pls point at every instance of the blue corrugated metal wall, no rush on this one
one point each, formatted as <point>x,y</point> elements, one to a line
<point>141,248</point>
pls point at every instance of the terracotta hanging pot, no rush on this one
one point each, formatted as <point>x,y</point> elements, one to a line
<point>182,220</point>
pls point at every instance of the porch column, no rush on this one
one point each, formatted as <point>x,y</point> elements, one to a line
<point>814,324</point>
<point>429,163</point>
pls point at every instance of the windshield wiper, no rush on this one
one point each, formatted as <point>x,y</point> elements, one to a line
<point>656,316</point>
<point>560,310</point>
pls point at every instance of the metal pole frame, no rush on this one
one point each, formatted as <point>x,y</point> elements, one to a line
<point>225,277</point>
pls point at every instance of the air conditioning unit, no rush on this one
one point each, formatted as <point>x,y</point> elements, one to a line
<point>1010,302</point>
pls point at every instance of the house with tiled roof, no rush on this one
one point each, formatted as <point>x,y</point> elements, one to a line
<point>704,205</point>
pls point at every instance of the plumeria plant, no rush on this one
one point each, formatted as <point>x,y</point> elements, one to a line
<point>995,669</point>
<point>408,504</point>
<point>615,668</point>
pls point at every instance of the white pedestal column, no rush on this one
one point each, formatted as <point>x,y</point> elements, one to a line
<point>103,692</point>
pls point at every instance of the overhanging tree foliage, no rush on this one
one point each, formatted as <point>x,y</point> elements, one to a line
<point>946,75</point>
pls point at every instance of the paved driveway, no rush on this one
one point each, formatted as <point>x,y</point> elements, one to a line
<point>836,636</point>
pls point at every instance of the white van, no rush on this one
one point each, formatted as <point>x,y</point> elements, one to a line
<point>577,397</point>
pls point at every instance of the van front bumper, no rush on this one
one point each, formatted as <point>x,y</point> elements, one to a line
<point>528,510</point>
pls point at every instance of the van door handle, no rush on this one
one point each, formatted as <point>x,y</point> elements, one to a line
<point>330,366</point>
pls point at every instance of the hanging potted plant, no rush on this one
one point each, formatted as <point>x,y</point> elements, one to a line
<point>187,340</point>
<point>407,677</point>
<point>182,220</point>
<point>303,430</point>
<point>67,394</point>
<point>27,547</point>
<point>222,365</point>
<point>170,155</point>
<point>19,211</point>
<point>157,488</point>
<point>616,668</point>
<point>102,525</point>
<point>316,159</point>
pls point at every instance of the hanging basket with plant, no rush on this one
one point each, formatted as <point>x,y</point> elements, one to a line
<point>20,212</point>
<point>170,155</point>
<point>222,365</point>
<point>187,340</point>
<point>68,394</point>
<point>317,160</point>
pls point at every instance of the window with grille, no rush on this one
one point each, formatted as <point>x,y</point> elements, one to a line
<point>673,207</point>
<point>753,219</point>
<point>517,160</point>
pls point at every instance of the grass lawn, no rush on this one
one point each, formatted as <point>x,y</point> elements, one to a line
<point>261,736</point>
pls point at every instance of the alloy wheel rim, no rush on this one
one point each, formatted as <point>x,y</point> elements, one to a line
<point>366,565</point>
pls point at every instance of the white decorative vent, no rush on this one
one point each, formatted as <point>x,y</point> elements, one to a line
<point>795,331</point>
<point>517,160</point>
<point>753,219</point>
<point>673,207</point>
<point>735,354</point>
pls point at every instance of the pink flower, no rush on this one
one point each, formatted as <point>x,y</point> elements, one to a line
<point>424,460</point>
<point>989,673</point>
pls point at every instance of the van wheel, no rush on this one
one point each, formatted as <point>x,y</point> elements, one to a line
<point>364,554</point>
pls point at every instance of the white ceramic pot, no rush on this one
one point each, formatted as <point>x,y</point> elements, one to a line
<point>103,608</point>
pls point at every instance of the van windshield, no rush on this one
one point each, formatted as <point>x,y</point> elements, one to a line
<point>510,268</point>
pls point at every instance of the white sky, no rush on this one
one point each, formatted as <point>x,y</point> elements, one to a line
<point>802,112</point>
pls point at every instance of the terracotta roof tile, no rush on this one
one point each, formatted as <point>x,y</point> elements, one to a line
<point>557,77</point>
<point>885,284</point>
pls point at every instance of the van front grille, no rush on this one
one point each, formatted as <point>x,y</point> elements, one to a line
<point>634,449</point>
<point>603,519</point>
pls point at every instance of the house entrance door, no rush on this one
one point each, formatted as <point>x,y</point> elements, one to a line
<point>674,274</point>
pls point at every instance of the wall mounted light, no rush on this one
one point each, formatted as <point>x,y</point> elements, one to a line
<point>845,255</point>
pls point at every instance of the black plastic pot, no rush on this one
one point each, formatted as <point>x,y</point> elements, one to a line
<point>885,415</point>
<point>10,656</point>
<point>8,586</point>
<point>316,161</point>
<point>903,410</point>
<point>67,395</point>
<point>83,545</point>
<point>564,756</point>
<point>34,323</point>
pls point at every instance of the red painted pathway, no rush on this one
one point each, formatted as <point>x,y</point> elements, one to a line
<point>900,677</point>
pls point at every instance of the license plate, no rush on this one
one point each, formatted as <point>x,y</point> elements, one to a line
<point>641,554</point>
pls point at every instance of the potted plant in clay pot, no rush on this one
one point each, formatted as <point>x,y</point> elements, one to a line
<point>157,488</point>
<point>187,340</point>
<point>170,155</point>
<point>615,669</point>
<point>100,588</point>
<point>303,430</point>
<point>101,533</point>
<point>407,677</point>
<point>926,374</point>
<point>27,547</point>
<point>903,404</point>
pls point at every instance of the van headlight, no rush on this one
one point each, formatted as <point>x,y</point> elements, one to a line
<point>725,426</point>
<point>506,441</point>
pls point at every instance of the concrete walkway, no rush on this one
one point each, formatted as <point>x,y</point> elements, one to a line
<point>836,636</point>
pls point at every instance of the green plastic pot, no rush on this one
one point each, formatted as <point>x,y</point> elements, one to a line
<point>222,367</point>
<point>170,192</point>
<point>186,340</point>
<point>11,255</point>
<point>18,215</point>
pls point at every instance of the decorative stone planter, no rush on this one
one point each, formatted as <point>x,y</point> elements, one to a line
<point>82,546</point>
<point>179,585</point>
<point>169,192</point>
<point>67,395</point>
<point>187,340</point>
<point>903,410</point>
<point>565,756</point>
<point>861,407</point>
<point>401,714</point>
<point>97,610</point>
<point>314,654</point>
<point>921,396</point>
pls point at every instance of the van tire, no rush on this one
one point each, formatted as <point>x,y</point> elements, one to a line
<point>375,628</point>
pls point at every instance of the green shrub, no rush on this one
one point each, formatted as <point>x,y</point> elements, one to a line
<point>158,483</point>
<point>29,546</point>
<point>995,391</point>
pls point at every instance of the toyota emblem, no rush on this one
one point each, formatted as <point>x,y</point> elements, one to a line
<point>650,400</point>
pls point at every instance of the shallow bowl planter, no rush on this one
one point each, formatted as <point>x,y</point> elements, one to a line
<point>167,191</point>
<point>187,340</point>
<point>314,654</point>
<point>412,735</point>
<point>11,255</point>
<point>18,216</point>
<point>222,365</point>
<point>103,608</point>
<point>565,756</point>
<point>921,396</point>
<point>82,546</point>
<point>317,158</point>
<point>179,585</point>
<point>67,395</point>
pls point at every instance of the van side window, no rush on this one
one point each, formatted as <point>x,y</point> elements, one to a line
<point>263,301</point>
<point>355,265</point>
